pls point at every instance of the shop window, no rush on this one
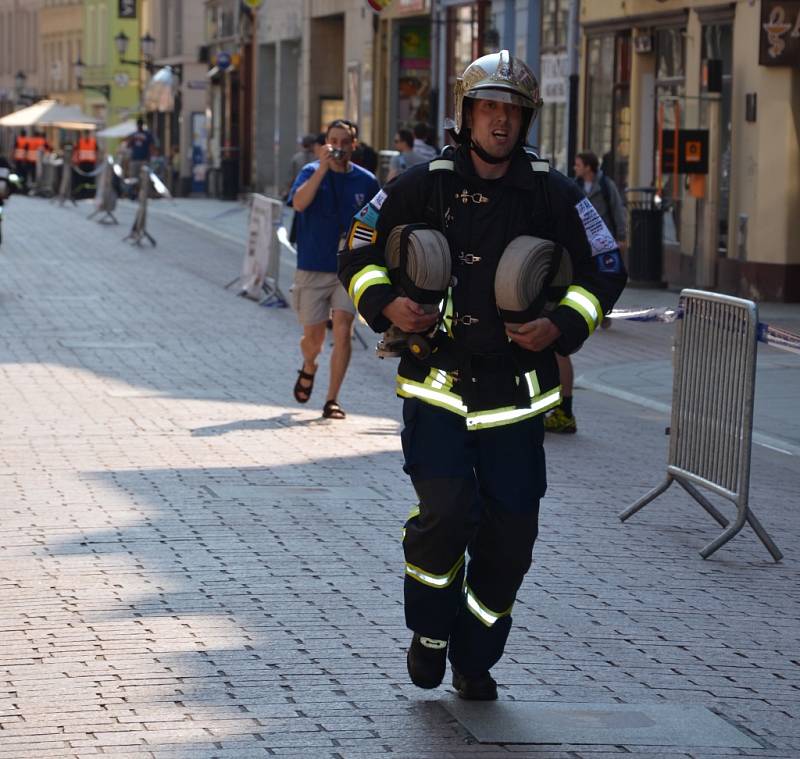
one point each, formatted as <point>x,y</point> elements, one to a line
<point>555,23</point>
<point>608,114</point>
<point>717,44</point>
<point>466,37</point>
<point>670,91</point>
<point>554,82</point>
<point>414,73</point>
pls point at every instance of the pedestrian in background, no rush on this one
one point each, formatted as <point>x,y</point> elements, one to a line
<point>21,156</point>
<point>406,156</point>
<point>141,144</point>
<point>325,196</point>
<point>605,197</point>
<point>422,146</point>
<point>305,155</point>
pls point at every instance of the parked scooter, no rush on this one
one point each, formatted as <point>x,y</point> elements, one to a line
<point>8,180</point>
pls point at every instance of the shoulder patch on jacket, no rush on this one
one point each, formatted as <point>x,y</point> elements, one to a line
<point>377,201</point>
<point>361,235</point>
<point>368,215</point>
<point>596,230</point>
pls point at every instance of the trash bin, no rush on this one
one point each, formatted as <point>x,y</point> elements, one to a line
<point>646,247</point>
<point>230,173</point>
<point>384,161</point>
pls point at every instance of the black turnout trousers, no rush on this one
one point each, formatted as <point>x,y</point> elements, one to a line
<point>479,493</point>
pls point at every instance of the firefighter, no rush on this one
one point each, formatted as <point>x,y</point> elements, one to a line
<point>21,156</point>
<point>472,411</point>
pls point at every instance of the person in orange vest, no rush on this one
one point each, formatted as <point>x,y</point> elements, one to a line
<point>36,142</point>
<point>21,156</point>
<point>85,155</point>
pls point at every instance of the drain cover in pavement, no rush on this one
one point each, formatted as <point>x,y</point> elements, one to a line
<point>597,724</point>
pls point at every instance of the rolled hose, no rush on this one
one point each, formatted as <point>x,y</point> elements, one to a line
<point>426,274</point>
<point>521,288</point>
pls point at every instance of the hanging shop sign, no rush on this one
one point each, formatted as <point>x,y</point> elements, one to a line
<point>779,35</point>
<point>253,4</point>
<point>555,78</point>
<point>126,9</point>
<point>692,151</point>
<point>411,6</point>
<point>378,5</point>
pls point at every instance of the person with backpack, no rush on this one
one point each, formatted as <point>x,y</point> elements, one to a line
<point>473,403</point>
<point>607,201</point>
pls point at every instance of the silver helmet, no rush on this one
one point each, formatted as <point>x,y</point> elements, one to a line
<point>501,77</point>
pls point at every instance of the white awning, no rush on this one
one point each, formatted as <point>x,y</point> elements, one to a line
<point>50,113</point>
<point>123,129</point>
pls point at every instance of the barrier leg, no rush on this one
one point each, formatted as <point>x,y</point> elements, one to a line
<point>763,536</point>
<point>704,502</point>
<point>741,518</point>
<point>644,500</point>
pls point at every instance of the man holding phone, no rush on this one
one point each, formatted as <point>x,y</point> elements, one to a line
<point>325,195</point>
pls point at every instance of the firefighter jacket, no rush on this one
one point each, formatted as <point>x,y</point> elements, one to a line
<point>474,370</point>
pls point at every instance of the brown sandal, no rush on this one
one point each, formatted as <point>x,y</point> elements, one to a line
<point>302,393</point>
<point>332,410</point>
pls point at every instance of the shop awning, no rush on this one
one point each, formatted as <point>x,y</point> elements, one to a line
<point>124,129</point>
<point>49,113</point>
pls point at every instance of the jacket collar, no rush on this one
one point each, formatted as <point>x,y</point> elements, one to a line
<point>519,174</point>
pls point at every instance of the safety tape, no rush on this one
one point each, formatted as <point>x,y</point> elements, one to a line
<point>766,333</point>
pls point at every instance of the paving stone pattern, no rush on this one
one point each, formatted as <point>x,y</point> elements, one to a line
<point>192,565</point>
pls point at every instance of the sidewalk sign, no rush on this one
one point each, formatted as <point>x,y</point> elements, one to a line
<point>711,426</point>
<point>261,264</point>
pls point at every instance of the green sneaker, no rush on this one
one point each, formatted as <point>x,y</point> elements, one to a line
<point>559,421</point>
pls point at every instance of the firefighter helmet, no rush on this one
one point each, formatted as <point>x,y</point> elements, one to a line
<point>501,77</point>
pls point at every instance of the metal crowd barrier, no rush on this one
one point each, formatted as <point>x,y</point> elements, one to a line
<point>712,410</point>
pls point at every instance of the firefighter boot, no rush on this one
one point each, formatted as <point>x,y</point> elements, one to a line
<point>427,659</point>
<point>478,688</point>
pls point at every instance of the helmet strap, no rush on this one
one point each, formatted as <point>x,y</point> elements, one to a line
<point>484,156</point>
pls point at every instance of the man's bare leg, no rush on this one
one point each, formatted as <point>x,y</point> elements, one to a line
<point>342,348</point>
<point>311,346</point>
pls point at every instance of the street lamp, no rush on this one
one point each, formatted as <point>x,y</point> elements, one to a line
<point>147,45</point>
<point>104,89</point>
<point>19,88</point>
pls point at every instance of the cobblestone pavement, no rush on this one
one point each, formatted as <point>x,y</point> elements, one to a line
<point>194,566</point>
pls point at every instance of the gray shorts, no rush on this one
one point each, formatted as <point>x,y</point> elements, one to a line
<point>315,294</point>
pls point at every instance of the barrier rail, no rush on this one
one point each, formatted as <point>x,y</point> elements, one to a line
<point>105,199</point>
<point>711,426</point>
<point>774,336</point>
<point>139,228</point>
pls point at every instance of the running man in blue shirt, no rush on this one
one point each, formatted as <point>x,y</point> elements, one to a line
<point>326,194</point>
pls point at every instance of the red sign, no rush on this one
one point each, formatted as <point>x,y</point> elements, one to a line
<point>378,5</point>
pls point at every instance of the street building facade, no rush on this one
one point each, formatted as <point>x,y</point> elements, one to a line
<point>21,72</point>
<point>722,75</point>
<point>175,96</point>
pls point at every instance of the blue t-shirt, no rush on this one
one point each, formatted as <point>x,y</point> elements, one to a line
<point>139,143</point>
<point>328,217</point>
